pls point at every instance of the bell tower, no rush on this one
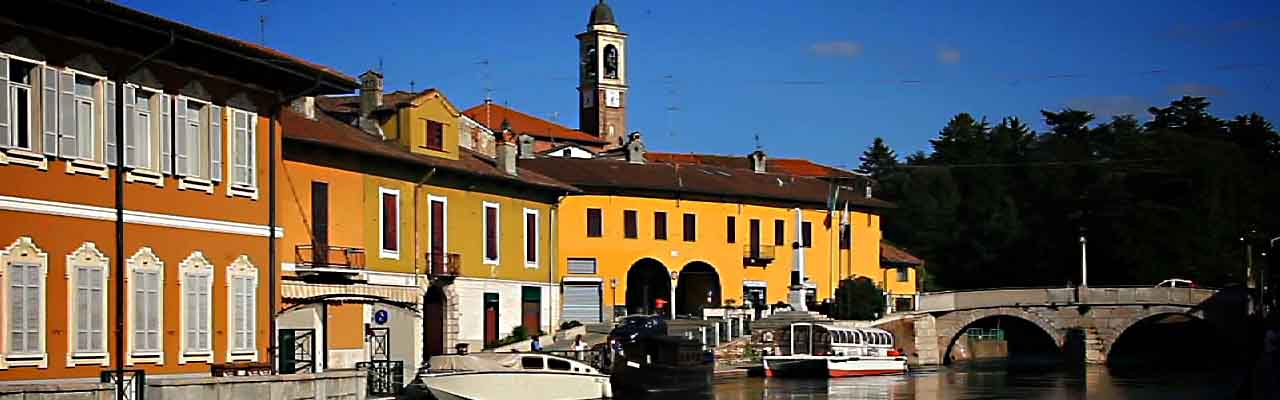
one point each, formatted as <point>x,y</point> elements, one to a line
<point>602,78</point>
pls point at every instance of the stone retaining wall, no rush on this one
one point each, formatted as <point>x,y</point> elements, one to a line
<point>58,391</point>
<point>328,385</point>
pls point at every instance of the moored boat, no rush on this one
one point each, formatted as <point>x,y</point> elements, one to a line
<point>645,359</point>
<point>526,376</point>
<point>819,350</point>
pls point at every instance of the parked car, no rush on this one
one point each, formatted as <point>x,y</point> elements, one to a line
<point>1182,283</point>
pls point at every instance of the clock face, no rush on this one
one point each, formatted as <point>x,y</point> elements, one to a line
<point>613,98</point>
<point>588,98</point>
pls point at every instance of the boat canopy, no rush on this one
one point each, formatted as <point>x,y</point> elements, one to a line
<point>819,339</point>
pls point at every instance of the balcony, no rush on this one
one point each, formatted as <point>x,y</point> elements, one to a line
<point>310,260</point>
<point>758,255</point>
<point>443,265</point>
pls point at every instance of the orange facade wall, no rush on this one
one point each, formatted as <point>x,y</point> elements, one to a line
<point>58,236</point>
<point>346,203</point>
<point>346,326</point>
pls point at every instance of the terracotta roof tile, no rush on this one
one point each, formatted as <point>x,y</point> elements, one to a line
<point>789,166</point>
<point>328,131</point>
<point>708,180</point>
<point>492,115</point>
<point>892,256</point>
<point>347,104</point>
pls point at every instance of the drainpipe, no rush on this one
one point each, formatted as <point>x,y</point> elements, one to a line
<point>119,177</point>
<point>553,255</point>
<point>273,262</point>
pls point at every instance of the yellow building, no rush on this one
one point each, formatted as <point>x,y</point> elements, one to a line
<point>453,246</point>
<point>660,236</point>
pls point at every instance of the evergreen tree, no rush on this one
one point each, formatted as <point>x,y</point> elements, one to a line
<point>878,159</point>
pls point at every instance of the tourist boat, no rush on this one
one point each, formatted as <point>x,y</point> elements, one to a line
<point>526,376</point>
<point>644,359</point>
<point>818,350</point>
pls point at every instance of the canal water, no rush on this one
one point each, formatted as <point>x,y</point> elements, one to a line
<point>991,382</point>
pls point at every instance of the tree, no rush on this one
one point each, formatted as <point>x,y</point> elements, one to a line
<point>859,299</point>
<point>878,159</point>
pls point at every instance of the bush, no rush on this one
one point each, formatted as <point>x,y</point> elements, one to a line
<point>569,325</point>
<point>859,299</point>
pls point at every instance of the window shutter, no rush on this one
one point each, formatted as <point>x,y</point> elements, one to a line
<point>190,311</point>
<point>68,146</point>
<point>110,129</point>
<point>215,143</point>
<point>133,157</point>
<point>4,103</point>
<point>96,322</point>
<point>181,149</point>
<point>50,99</point>
<point>166,134</point>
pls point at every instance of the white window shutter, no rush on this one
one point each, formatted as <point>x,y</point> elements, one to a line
<point>132,156</point>
<point>252,145</point>
<point>181,148</point>
<point>50,99</point>
<point>67,144</point>
<point>166,134</point>
<point>4,103</point>
<point>215,143</point>
<point>110,129</point>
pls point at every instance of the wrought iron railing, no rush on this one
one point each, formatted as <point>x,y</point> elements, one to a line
<point>325,256</point>
<point>386,378</point>
<point>758,253</point>
<point>133,385</point>
<point>444,264</point>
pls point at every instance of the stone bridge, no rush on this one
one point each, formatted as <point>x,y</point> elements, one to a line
<point>1087,319</point>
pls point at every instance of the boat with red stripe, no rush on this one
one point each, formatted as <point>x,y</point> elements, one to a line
<point>820,350</point>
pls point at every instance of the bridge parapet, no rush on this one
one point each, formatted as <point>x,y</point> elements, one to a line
<point>1014,297</point>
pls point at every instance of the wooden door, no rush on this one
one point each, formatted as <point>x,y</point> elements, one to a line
<point>490,318</point>
<point>531,309</point>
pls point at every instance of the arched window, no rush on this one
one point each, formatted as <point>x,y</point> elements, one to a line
<point>145,322</point>
<point>23,271</point>
<point>87,274</point>
<point>242,307</point>
<point>195,278</point>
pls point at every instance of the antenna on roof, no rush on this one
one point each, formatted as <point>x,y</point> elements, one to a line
<point>757,139</point>
<point>672,108</point>
<point>488,90</point>
<point>411,86</point>
<point>380,65</point>
<point>262,23</point>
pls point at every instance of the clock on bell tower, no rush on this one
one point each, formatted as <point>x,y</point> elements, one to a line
<point>602,77</point>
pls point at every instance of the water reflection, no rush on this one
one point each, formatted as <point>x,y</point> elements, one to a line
<point>988,382</point>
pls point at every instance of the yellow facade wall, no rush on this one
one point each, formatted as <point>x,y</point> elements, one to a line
<point>615,254</point>
<point>465,233</point>
<point>408,127</point>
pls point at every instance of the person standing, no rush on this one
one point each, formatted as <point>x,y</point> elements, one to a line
<point>535,345</point>
<point>579,344</point>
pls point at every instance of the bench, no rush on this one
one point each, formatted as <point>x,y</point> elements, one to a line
<point>241,369</point>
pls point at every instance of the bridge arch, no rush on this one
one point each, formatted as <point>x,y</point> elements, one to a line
<point>952,325</point>
<point>1116,330</point>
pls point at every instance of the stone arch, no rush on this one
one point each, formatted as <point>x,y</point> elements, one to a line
<point>697,286</point>
<point>1112,332</point>
<point>952,325</point>
<point>648,281</point>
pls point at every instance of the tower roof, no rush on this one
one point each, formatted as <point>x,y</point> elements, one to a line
<point>601,14</point>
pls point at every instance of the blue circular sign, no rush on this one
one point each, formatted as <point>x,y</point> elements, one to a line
<point>380,317</point>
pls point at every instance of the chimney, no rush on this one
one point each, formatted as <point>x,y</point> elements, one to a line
<point>635,148</point>
<point>370,100</point>
<point>757,161</point>
<point>506,152</point>
<point>526,146</point>
<point>305,106</point>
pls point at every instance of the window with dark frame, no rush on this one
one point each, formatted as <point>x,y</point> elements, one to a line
<point>435,135</point>
<point>390,222</point>
<point>902,274</point>
<point>731,229</point>
<point>629,229</point>
<point>594,223</point>
<point>806,228</point>
<point>490,233</point>
<point>660,225</point>
<point>530,237</point>
<point>779,232</point>
<point>690,227</point>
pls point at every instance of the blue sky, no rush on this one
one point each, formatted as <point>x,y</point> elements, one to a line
<point>814,79</point>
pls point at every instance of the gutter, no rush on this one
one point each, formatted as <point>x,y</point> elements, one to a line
<point>119,224</point>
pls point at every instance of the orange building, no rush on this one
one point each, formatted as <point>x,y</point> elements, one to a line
<point>190,243</point>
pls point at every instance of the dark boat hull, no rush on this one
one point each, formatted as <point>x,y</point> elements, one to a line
<point>654,378</point>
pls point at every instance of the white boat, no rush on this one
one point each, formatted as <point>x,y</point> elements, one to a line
<point>818,350</point>
<point>526,376</point>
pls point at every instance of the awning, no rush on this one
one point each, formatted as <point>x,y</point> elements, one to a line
<point>360,292</point>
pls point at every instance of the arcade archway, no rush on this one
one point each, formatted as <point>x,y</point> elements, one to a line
<point>433,321</point>
<point>698,287</point>
<point>648,284</point>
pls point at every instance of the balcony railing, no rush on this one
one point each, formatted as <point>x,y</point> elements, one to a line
<point>309,256</point>
<point>444,265</point>
<point>758,254</point>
